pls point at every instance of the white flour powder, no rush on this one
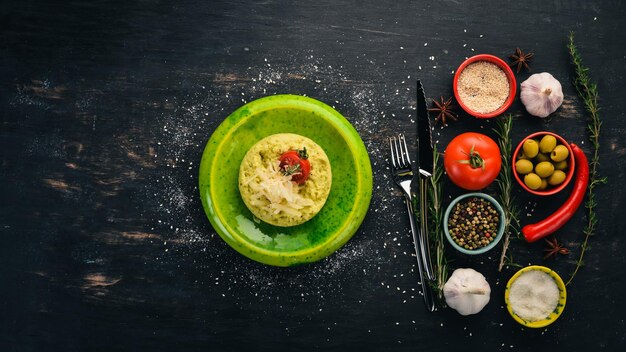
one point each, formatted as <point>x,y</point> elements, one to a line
<point>534,295</point>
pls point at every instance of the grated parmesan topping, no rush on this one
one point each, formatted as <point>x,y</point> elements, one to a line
<point>276,191</point>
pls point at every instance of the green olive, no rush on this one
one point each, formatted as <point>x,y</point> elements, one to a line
<point>544,184</point>
<point>561,165</point>
<point>544,169</point>
<point>523,166</point>
<point>532,181</point>
<point>556,178</point>
<point>531,148</point>
<point>521,155</point>
<point>542,157</point>
<point>547,143</point>
<point>559,153</point>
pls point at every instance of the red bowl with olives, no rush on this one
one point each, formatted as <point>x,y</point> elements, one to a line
<point>543,163</point>
<point>474,223</point>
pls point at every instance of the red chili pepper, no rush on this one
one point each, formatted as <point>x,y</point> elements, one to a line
<point>534,232</point>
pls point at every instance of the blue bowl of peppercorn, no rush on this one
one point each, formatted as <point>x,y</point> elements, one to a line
<point>474,223</point>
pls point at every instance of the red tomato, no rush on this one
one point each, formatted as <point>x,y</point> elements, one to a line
<point>472,161</point>
<point>296,164</point>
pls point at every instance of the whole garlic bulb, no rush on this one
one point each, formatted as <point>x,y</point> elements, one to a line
<point>467,291</point>
<point>541,94</point>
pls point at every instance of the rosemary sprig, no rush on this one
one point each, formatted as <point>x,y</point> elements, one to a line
<point>508,261</point>
<point>588,92</point>
<point>435,193</point>
<point>505,185</point>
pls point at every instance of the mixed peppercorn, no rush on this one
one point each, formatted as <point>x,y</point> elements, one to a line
<point>473,223</point>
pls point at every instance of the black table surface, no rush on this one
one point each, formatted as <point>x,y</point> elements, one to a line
<point>105,108</point>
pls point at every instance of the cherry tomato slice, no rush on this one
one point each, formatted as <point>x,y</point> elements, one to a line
<point>296,164</point>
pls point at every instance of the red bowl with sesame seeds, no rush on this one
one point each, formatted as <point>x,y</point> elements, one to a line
<point>484,86</point>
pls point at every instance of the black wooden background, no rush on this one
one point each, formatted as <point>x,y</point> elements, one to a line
<point>105,107</point>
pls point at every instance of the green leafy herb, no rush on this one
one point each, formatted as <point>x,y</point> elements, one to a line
<point>505,185</point>
<point>292,169</point>
<point>508,261</point>
<point>435,194</point>
<point>588,92</point>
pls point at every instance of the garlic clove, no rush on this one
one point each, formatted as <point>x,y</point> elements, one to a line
<point>467,291</point>
<point>541,94</point>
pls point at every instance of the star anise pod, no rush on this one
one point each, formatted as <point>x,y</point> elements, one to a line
<point>444,110</point>
<point>554,248</point>
<point>520,59</point>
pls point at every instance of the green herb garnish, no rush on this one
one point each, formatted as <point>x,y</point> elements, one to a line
<point>588,92</point>
<point>435,193</point>
<point>505,185</point>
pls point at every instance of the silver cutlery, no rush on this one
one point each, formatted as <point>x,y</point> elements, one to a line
<point>403,175</point>
<point>425,171</point>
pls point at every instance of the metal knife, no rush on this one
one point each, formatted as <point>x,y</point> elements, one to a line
<point>425,170</point>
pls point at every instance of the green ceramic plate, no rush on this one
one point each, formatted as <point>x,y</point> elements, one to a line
<point>347,202</point>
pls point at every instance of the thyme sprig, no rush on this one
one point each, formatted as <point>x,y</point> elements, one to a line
<point>588,92</point>
<point>505,185</point>
<point>435,196</point>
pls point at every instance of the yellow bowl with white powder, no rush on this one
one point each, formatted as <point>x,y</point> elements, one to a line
<point>535,296</point>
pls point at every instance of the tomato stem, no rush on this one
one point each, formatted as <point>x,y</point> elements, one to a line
<point>302,153</point>
<point>475,160</point>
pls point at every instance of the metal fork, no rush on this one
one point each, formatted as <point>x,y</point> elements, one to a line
<point>402,175</point>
